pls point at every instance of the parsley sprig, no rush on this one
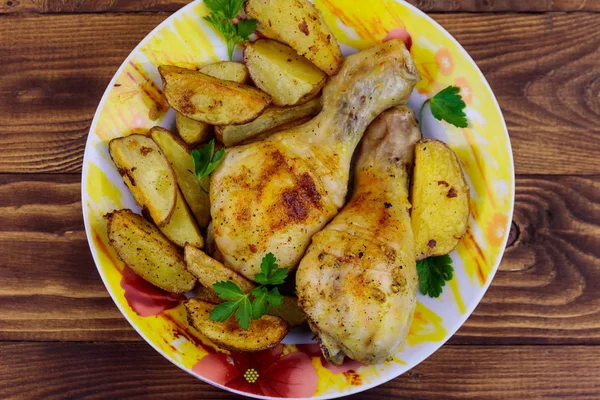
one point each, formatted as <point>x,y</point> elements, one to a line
<point>222,14</point>
<point>433,274</point>
<point>239,302</point>
<point>447,105</point>
<point>206,160</point>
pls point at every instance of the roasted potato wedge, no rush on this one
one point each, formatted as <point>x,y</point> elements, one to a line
<point>439,198</point>
<point>179,157</point>
<point>190,131</point>
<point>195,132</point>
<point>227,70</point>
<point>206,294</point>
<point>211,100</point>
<point>279,71</point>
<point>141,246</point>
<point>209,271</point>
<point>182,227</point>
<point>262,334</point>
<point>284,127</point>
<point>273,117</point>
<point>147,174</point>
<point>289,311</point>
<point>299,24</point>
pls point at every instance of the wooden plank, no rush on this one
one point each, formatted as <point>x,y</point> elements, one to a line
<point>51,86</point>
<point>116,370</point>
<point>78,6</point>
<point>547,286</point>
<point>547,289</point>
<point>50,287</point>
<point>548,91</point>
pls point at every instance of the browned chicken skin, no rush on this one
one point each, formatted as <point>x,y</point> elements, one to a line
<point>274,195</point>
<point>358,282</point>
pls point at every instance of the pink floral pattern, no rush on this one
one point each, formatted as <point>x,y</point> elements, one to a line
<point>266,373</point>
<point>144,298</point>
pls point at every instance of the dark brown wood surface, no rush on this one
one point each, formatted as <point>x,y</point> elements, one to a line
<point>536,334</point>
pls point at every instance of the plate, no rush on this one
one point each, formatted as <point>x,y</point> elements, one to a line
<point>134,102</point>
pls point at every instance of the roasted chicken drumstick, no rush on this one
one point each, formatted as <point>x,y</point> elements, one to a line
<point>358,281</point>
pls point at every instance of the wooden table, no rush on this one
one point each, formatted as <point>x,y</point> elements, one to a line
<point>535,334</point>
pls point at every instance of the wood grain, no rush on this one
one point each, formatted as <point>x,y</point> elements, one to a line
<point>50,286</point>
<point>51,85</point>
<point>547,289</point>
<point>548,92</point>
<point>83,6</point>
<point>547,286</point>
<point>124,371</point>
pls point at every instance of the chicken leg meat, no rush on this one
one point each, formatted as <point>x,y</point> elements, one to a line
<point>273,195</point>
<point>358,281</point>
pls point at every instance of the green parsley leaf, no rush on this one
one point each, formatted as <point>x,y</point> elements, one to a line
<point>222,12</point>
<point>205,160</point>
<point>271,273</point>
<point>223,311</point>
<point>433,274</point>
<point>228,290</point>
<point>449,106</point>
<point>239,302</point>
<point>274,298</point>
<point>244,28</point>
<point>243,313</point>
<point>259,305</point>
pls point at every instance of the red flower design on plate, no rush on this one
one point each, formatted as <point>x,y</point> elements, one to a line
<point>265,373</point>
<point>144,298</point>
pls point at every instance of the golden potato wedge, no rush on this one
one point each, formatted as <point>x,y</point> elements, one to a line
<point>227,70</point>
<point>279,71</point>
<point>439,198</point>
<point>262,334</point>
<point>179,157</point>
<point>211,100</point>
<point>195,132</point>
<point>299,24</point>
<point>271,118</point>
<point>141,246</point>
<point>289,311</point>
<point>209,271</point>
<point>284,127</point>
<point>192,132</point>
<point>182,227</point>
<point>147,174</point>
<point>205,294</point>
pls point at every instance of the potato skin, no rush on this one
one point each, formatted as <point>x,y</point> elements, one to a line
<point>192,132</point>
<point>210,271</point>
<point>228,71</point>
<point>211,100</point>
<point>440,199</point>
<point>195,132</point>
<point>178,155</point>
<point>279,71</point>
<point>135,157</point>
<point>301,25</point>
<point>141,246</point>
<point>272,118</point>
<point>264,333</point>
